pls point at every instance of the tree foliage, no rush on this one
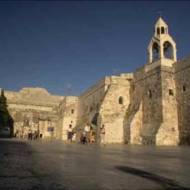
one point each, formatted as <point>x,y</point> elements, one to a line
<point>5,118</point>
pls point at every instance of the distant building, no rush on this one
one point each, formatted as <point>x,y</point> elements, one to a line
<point>149,106</point>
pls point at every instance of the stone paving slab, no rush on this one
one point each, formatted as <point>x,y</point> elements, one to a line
<point>55,165</point>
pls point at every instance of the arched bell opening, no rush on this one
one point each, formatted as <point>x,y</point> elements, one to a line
<point>155,52</point>
<point>162,30</point>
<point>168,50</point>
<point>158,31</point>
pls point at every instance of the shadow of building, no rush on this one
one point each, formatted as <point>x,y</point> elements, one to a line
<point>163,182</point>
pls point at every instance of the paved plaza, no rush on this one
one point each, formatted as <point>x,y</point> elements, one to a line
<point>55,165</point>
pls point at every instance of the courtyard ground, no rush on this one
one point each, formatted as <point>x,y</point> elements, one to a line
<point>55,165</point>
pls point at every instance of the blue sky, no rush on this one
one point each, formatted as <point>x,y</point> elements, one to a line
<point>66,46</point>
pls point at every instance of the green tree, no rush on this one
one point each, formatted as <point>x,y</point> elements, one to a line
<point>5,118</point>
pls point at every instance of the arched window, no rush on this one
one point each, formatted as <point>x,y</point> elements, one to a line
<point>162,30</point>
<point>72,111</point>
<point>168,50</point>
<point>155,51</point>
<point>184,88</point>
<point>149,93</point>
<point>158,31</point>
<point>171,93</point>
<point>120,100</point>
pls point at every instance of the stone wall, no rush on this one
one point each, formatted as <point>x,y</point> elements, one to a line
<point>168,133</point>
<point>89,105</point>
<point>149,106</point>
<point>113,108</point>
<point>182,73</point>
<point>68,112</point>
<point>151,117</point>
<point>33,109</point>
<point>144,115</point>
<point>133,115</point>
<point>100,105</point>
<point>33,96</point>
<point>91,100</point>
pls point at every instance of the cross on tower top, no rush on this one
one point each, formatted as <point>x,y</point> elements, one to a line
<point>160,13</point>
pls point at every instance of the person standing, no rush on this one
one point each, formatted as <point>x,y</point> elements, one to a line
<point>92,135</point>
<point>87,132</point>
<point>70,133</point>
<point>30,134</point>
<point>102,134</point>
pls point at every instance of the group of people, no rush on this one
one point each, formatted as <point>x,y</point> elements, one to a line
<point>88,134</point>
<point>34,135</point>
<point>29,134</point>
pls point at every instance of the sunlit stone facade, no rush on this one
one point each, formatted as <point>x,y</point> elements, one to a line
<point>149,106</point>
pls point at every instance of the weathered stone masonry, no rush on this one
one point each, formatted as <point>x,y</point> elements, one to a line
<point>33,109</point>
<point>149,106</point>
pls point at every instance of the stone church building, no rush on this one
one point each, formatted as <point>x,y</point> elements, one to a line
<point>149,106</point>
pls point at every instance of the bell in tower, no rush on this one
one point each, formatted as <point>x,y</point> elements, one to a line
<point>162,47</point>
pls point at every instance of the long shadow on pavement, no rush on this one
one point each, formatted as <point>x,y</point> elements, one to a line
<point>165,183</point>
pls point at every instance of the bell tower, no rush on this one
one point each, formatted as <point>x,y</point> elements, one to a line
<point>162,47</point>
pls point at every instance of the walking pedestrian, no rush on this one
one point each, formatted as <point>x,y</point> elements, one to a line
<point>102,134</point>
